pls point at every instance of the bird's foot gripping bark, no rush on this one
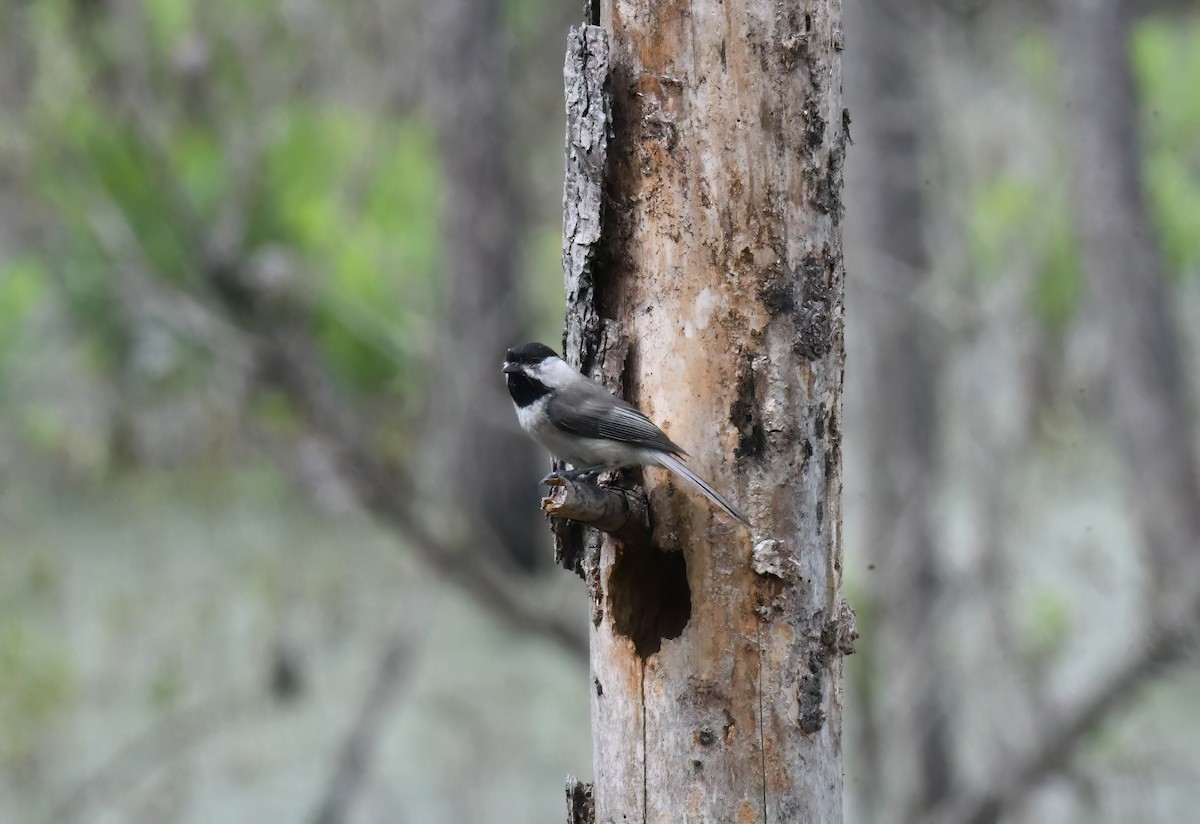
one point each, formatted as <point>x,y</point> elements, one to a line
<point>558,476</point>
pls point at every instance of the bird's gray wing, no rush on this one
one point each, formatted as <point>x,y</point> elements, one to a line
<point>590,411</point>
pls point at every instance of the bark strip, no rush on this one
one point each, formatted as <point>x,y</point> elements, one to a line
<point>585,77</point>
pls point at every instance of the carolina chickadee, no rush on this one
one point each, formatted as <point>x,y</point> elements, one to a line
<point>587,426</point>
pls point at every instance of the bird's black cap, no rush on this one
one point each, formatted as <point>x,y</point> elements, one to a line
<point>530,353</point>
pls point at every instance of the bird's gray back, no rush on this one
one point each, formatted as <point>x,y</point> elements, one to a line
<point>588,410</point>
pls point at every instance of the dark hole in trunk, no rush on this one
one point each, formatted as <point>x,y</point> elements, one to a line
<point>648,597</point>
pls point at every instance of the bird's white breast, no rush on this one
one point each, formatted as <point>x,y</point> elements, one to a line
<point>576,451</point>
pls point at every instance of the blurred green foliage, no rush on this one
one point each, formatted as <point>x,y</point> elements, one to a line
<point>354,196</point>
<point>169,20</point>
<point>36,683</point>
<point>1028,213</point>
<point>1046,627</point>
<point>22,286</point>
<point>157,145</point>
<point>146,173</point>
<point>1166,56</point>
<point>1010,217</point>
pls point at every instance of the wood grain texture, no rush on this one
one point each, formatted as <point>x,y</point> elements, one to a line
<point>715,306</point>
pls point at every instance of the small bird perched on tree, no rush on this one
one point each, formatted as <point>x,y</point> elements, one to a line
<point>585,425</point>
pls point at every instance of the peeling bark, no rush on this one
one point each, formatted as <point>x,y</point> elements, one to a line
<point>587,339</point>
<point>580,809</point>
<point>716,307</point>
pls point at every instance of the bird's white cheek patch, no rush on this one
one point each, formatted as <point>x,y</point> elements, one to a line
<point>528,416</point>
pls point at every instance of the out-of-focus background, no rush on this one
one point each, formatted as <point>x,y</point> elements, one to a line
<point>269,544</point>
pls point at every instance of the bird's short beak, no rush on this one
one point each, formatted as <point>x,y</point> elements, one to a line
<point>510,367</point>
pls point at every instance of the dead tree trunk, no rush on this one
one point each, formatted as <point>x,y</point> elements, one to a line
<point>910,714</point>
<point>1149,393</point>
<point>712,299</point>
<point>484,315</point>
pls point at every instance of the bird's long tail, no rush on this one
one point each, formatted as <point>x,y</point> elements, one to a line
<point>681,469</point>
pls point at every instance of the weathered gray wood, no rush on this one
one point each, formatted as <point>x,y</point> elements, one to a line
<point>585,339</point>
<point>586,79</point>
<point>579,802</point>
<point>716,307</point>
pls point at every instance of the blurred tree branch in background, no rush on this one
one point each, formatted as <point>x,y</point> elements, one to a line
<point>239,216</point>
<point>352,768</point>
<point>166,738</point>
<point>291,362</point>
<point>1150,398</point>
<point>1172,632</point>
<point>199,246</point>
